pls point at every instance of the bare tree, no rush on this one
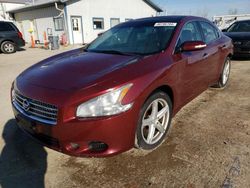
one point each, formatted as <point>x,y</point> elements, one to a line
<point>203,13</point>
<point>233,11</point>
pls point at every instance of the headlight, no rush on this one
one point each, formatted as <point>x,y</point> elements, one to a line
<point>105,105</point>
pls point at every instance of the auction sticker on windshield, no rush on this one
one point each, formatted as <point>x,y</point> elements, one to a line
<point>165,24</point>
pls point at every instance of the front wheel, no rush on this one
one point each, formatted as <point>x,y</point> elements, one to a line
<point>224,77</point>
<point>154,122</point>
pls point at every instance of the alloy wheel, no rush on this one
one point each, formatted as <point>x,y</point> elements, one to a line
<point>9,48</point>
<point>226,72</point>
<point>155,121</point>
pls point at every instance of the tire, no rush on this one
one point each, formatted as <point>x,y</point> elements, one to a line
<point>224,76</point>
<point>8,47</point>
<point>151,130</point>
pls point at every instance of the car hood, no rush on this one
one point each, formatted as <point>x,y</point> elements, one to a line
<point>238,35</point>
<point>75,69</point>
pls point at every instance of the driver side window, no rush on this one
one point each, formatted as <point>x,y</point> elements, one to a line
<point>190,32</point>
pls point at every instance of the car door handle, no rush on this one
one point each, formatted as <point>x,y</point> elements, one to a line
<point>223,47</point>
<point>205,55</point>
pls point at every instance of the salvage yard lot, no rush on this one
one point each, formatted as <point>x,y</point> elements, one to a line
<point>208,146</point>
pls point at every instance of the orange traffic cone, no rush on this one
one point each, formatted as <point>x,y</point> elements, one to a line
<point>32,41</point>
<point>45,40</point>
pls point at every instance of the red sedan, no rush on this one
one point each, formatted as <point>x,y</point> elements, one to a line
<point>123,89</point>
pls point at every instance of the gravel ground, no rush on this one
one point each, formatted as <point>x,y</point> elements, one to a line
<point>208,145</point>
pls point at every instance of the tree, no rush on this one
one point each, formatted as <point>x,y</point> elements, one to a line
<point>233,11</point>
<point>203,13</point>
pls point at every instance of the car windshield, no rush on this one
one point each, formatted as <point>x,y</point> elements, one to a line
<point>240,27</point>
<point>141,39</point>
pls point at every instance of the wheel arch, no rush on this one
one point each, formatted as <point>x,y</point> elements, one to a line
<point>230,55</point>
<point>5,40</point>
<point>166,89</point>
<point>138,139</point>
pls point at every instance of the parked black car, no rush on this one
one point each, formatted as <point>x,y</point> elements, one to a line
<point>10,37</point>
<point>239,32</point>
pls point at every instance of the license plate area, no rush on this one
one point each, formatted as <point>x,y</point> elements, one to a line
<point>25,124</point>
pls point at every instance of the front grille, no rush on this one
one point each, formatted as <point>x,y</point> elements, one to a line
<point>242,43</point>
<point>37,110</point>
<point>246,43</point>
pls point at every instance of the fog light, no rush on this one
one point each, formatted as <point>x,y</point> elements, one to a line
<point>97,146</point>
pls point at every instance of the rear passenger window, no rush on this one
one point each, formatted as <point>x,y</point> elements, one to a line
<point>210,33</point>
<point>190,32</point>
<point>6,27</point>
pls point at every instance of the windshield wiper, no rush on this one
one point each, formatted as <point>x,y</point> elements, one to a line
<point>85,49</point>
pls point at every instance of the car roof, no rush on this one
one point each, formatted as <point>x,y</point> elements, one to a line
<point>150,20</point>
<point>6,21</point>
<point>162,18</point>
<point>238,21</point>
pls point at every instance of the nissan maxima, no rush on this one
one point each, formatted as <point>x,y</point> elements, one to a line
<point>123,89</point>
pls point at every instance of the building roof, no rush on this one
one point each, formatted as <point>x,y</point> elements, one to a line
<point>36,6</point>
<point>47,4</point>
<point>13,1</point>
<point>153,5</point>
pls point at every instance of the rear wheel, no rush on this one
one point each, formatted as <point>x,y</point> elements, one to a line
<point>224,77</point>
<point>154,122</point>
<point>8,47</point>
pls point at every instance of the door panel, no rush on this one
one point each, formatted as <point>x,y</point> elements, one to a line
<point>211,38</point>
<point>193,73</point>
<point>192,76</point>
<point>76,23</point>
<point>213,58</point>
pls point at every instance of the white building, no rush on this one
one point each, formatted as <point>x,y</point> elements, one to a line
<point>5,7</point>
<point>80,20</point>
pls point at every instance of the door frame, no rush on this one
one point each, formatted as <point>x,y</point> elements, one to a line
<point>75,16</point>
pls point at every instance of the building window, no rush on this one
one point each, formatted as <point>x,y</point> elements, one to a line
<point>59,24</point>
<point>114,21</point>
<point>98,23</point>
<point>128,19</point>
<point>75,24</point>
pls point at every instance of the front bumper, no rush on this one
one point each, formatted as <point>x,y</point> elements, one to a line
<point>242,52</point>
<point>117,132</point>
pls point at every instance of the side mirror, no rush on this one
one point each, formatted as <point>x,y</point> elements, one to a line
<point>193,46</point>
<point>224,30</point>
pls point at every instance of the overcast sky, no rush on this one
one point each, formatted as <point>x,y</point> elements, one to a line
<point>204,7</point>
